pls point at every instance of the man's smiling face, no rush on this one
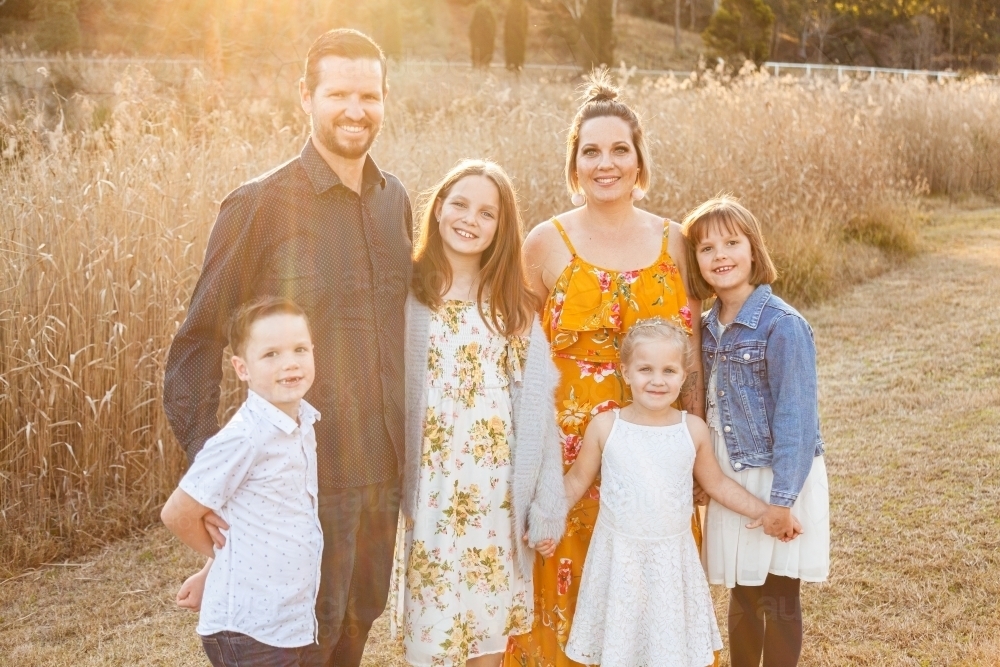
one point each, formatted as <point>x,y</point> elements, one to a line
<point>347,106</point>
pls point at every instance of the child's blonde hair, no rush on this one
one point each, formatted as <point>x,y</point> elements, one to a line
<point>727,213</point>
<point>655,328</point>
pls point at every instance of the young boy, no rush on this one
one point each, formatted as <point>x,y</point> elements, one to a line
<point>259,475</point>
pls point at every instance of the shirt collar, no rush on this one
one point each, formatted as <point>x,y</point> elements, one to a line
<point>749,315</point>
<point>307,413</point>
<point>323,177</point>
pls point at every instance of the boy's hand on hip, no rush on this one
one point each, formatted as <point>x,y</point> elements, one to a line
<point>190,594</point>
<point>214,524</point>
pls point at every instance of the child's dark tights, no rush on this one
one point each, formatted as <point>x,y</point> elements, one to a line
<point>766,619</point>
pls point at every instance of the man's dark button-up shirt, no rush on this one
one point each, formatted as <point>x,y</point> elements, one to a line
<point>299,232</point>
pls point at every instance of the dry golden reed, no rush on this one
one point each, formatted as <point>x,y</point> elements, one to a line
<point>109,197</point>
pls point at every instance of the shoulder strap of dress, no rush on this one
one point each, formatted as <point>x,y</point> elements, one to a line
<point>564,235</point>
<point>664,249</point>
<point>684,415</point>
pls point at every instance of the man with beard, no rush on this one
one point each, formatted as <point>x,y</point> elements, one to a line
<point>330,231</point>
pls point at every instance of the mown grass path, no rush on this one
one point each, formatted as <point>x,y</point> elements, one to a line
<point>910,381</point>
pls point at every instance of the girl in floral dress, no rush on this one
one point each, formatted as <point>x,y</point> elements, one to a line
<point>603,266</point>
<point>482,479</point>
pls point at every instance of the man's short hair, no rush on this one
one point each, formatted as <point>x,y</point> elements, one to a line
<point>257,309</point>
<point>343,43</point>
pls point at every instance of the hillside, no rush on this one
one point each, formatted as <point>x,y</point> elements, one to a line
<point>278,33</point>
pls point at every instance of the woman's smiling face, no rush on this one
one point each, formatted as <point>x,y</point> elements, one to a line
<point>607,164</point>
<point>468,216</point>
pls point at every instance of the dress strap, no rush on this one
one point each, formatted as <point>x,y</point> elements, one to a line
<point>684,415</point>
<point>565,236</point>
<point>664,249</point>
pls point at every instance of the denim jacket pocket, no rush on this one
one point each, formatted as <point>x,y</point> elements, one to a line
<point>749,377</point>
<point>748,363</point>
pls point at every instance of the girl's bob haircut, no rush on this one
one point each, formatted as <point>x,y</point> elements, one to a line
<point>725,212</point>
<point>502,281</point>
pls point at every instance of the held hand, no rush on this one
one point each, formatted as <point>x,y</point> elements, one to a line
<point>191,591</point>
<point>546,547</point>
<point>215,525</point>
<point>778,522</point>
<point>796,528</point>
<point>700,497</point>
<point>796,531</point>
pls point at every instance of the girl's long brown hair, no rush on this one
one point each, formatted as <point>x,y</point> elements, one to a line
<point>502,277</point>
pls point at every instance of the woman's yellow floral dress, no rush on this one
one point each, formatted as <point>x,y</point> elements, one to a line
<point>458,590</point>
<point>585,316</point>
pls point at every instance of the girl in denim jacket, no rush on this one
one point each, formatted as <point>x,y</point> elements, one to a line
<point>764,421</point>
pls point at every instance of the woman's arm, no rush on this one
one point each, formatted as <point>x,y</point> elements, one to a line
<point>545,257</point>
<point>588,462</point>
<point>693,392</point>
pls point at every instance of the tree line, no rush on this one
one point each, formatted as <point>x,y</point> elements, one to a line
<point>916,34</point>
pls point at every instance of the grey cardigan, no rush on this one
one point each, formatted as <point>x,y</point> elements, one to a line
<point>538,491</point>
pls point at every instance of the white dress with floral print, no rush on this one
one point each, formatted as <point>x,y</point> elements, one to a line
<point>458,591</point>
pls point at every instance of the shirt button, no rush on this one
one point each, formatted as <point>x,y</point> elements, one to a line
<point>727,429</point>
<point>737,465</point>
<point>722,393</point>
<point>723,357</point>
<point>747,357</point>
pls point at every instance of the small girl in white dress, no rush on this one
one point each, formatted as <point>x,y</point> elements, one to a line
<point>644,600</point>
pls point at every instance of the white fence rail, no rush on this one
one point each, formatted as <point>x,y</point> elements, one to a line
<point>842,70</point>
<point>776,68</point>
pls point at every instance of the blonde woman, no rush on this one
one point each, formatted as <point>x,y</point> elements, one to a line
<point>602,266</point>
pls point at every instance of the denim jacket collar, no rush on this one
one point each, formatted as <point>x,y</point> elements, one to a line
<point>749,315</point>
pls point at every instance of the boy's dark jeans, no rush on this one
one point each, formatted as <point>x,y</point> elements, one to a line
<point>231,649</point>
<point>359,540</point>
<point>766,620</point>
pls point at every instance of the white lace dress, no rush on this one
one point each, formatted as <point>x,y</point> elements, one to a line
<point>644,600</point>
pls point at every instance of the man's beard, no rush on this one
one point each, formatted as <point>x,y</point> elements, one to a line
<point>327,135</point>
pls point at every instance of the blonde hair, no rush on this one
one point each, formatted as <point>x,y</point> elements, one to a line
<point>655,328</point>
<point>600,99</point>
<point>727,213</point>
<point>512,304</point>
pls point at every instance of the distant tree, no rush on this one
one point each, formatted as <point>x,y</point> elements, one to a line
<point>18,10</point>
<point>58,28</point>
<point>597,30</point>
<point>741,29</point>
<point>515,34</point>
<point>389,32</point>
<point>482,35</point>
<point>788,15</point>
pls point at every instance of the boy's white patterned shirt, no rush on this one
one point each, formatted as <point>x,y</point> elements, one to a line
<point>259,474</point>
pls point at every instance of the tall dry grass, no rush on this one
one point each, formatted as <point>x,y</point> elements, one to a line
<point>109,196</point>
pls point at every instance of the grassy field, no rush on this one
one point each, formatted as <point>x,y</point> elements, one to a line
<point>111,180</point>
<point>910,398</point>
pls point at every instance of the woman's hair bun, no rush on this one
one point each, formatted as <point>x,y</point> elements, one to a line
<point>598,87</point>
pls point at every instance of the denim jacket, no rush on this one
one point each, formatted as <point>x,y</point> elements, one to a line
<point>766,393</point>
